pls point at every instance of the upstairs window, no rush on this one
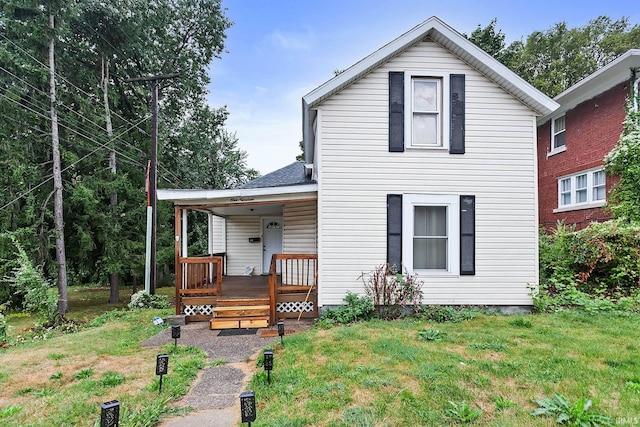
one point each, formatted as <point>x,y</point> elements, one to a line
<point>558,134</point>
<point>426,112</point>
<point>582,190</point>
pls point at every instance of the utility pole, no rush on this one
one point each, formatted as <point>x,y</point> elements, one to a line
<point>150,265</point>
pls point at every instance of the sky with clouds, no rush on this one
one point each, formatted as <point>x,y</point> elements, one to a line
<point>278,51</point>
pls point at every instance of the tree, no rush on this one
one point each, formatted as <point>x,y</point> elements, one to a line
<point>136,38</point>
<point>624,161</point>
<point>555,59</point>
<point>488,39</point>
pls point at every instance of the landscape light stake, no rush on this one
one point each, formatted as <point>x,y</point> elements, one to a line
<point>268,364</point>
<point>248,407</point>
<point>175,333</point>
<point>281,332</point>
<point>110,414</point>
<point>162,367</point>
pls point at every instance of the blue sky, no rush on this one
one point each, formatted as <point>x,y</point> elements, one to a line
<point>278,51</point>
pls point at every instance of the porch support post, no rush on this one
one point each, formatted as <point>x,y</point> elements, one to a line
<point>184,233</point>
<point>210,233</point>
<point>272,291</point>
<point>178,267</point>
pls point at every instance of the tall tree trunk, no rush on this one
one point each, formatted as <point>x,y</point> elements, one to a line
<point>61,257</point>
<point>114,278</point>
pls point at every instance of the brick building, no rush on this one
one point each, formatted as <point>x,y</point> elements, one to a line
<point>574,139</point>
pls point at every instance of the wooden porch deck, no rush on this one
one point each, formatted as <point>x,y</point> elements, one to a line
<point>245,287</point>
<point>289,291</point>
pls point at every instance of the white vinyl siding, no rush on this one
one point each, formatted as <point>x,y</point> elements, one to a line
<point>582,190</point>
<point>300,228</point>
<point>241,253</point>
<point>217,228</point>
<point>357,171</point>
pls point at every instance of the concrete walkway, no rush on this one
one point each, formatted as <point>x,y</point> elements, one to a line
<point>215,393</point>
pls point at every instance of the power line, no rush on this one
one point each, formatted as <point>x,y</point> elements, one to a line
<point>70,166</point>
<point>26,82</point>
<point>86,137</point>
<point>64,79</point>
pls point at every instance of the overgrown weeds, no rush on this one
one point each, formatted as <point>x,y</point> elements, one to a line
<point>392,291</point>
<point>596,269</point>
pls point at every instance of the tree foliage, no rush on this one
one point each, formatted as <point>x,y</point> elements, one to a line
<point>135,38</point>
<point>624,161</point>
<point>552,60</point>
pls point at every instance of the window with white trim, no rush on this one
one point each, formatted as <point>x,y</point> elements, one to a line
<point>431,233</point>
<point>582,189</point>
<point>426,126</point>
<point>558,133</point>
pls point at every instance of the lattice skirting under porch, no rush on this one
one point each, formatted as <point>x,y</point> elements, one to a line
<point>294,307</point>
<point>198,310</point>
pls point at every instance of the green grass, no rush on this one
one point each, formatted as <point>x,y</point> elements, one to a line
<point>62,379</point>
<point>487,371</point>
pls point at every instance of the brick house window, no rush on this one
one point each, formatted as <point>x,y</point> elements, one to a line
<point>558,134</point>
<point>582,190</point>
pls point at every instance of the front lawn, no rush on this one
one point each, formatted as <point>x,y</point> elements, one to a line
<point>53,379</point>
<point>408,372</point>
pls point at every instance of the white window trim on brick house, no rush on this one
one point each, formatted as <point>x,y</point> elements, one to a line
<point>553,149</point>
<point>568,184</point>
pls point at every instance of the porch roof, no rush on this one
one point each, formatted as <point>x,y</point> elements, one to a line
<point>240,200</point>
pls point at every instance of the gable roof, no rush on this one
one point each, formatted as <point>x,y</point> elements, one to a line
<point>441,33</point>
<point>293,174</point>
<point>603,79</point>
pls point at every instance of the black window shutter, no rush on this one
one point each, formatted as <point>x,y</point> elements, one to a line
<point>394,230</point>
<point>467,235</point>
<point>456,86</point>
<point>396,111</point>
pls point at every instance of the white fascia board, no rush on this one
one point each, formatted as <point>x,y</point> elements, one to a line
<point>596,83</point>
<point>202,195</point>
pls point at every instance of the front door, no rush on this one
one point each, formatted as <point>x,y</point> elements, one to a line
<point>271,241</point>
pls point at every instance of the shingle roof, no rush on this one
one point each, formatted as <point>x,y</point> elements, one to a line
<point>293,174</point>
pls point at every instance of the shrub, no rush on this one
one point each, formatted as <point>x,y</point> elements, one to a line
<point>39,297</point>
<point>3,327</point>
<point>143,299</point>
<point>596,269</point>
<point>356,308</point>
<point>391,291</point>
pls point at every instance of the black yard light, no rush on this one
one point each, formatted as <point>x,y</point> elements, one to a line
<point>281,331</point>
<point>175,333</point>
<point>268,363</point>
<point>110,414</point>
<point>248,407</point>
<point>162,367</point>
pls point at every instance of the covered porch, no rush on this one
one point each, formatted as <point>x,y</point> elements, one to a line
<point>261,261</point>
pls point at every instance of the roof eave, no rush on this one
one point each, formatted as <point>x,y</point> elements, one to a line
<point>443,34</point>
<point>181,197</point>
<point>603,79</point>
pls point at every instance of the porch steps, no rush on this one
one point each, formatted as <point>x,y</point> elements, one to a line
<point>241,313</point>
